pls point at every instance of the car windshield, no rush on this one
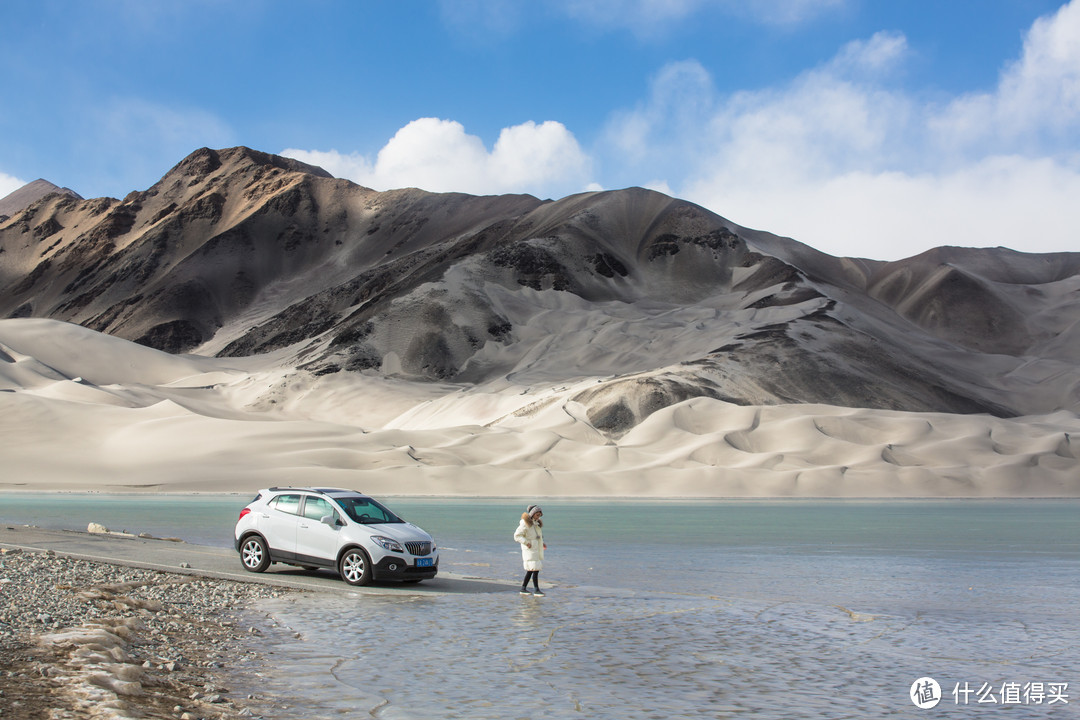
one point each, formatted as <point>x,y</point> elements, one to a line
<point>366,511</point>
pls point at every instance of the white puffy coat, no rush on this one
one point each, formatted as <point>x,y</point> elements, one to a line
<point>531,538</point>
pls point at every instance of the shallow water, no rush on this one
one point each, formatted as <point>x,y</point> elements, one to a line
<point>665,609</point>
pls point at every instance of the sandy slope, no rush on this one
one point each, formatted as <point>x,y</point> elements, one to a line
<point>82,410</point>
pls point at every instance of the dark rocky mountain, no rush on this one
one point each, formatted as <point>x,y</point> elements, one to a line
<point>236,252</point>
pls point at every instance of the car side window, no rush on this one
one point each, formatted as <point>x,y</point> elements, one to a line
<point>287,504</point>
<point>316,508</point>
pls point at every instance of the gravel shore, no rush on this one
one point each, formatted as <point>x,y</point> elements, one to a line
<point>80,639</point>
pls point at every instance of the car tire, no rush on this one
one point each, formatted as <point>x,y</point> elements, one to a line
<point>254,554</point>
<point>355,567</point>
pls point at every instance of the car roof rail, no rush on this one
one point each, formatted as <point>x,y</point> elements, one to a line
<point>321,491</point>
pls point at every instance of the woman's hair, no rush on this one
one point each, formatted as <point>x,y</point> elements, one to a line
<point>529,520</point>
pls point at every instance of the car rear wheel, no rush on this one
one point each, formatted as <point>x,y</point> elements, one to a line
<point>355,567</point>
<point>254,554</point>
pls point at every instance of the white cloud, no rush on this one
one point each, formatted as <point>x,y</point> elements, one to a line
<point>871,58</point>
<point>1037,100</point>
<point>9,184</point>
<point>438,155</point>
<point>1020,203</point>
<point>1043,87</point>
<point>840,160</point>
<point>678,109</point>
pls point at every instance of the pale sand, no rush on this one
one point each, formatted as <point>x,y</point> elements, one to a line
<point>84,411</point>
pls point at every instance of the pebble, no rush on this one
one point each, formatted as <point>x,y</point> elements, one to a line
<point>53,591</point>
<point>183,623</point>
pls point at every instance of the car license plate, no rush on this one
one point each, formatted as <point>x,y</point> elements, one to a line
<point>424,562</point>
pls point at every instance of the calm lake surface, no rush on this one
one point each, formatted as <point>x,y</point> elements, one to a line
<point>677,609</point>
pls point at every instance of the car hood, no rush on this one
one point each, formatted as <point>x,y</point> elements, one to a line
<point>402,532</point>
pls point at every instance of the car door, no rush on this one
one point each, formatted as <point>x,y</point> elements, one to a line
<point>279,525</point>
<point>316,542</point>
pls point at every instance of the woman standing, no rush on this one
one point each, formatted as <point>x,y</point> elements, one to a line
<point>530,534</point>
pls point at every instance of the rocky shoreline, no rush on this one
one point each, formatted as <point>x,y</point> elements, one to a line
<point>81,639</point>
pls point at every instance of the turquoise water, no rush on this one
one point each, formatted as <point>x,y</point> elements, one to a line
<point>203,519</point>
<point>676,609</point>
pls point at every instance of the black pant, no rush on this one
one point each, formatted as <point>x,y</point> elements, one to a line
<point>535,575</point>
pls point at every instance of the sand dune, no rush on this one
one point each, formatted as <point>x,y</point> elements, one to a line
<point>153,424</point>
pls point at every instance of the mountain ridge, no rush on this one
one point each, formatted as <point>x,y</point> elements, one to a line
<point>236,253</point>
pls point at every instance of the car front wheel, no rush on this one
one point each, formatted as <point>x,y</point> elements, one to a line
<point>254,555</point>
<point>355,567</point>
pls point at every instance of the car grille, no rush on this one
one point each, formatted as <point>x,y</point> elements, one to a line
<point>418,548</point>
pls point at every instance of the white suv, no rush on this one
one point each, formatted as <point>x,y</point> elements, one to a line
<point>334,528</point>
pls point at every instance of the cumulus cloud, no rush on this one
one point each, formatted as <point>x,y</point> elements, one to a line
<point>1037,101</point>
<point>839,159</point>
<point>1010,201</point>
<point>539,158</point>
<point>9,184</point>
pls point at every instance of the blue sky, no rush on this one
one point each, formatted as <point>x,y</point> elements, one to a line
<point>874,128</point>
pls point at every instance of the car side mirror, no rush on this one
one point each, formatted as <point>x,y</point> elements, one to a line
<point>331,520</point>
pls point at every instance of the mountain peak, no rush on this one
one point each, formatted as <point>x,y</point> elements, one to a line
<point>29,194</point>
<point>204,161</point>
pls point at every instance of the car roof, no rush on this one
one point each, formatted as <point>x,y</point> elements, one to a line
<point>331,492</point>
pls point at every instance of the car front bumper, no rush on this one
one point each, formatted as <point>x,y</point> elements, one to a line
<point>398,568</point>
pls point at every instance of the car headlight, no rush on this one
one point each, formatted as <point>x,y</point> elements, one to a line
<point>388,543</point>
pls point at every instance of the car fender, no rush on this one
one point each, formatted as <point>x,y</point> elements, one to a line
<point>248,533</point>
<point>351,546</point>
